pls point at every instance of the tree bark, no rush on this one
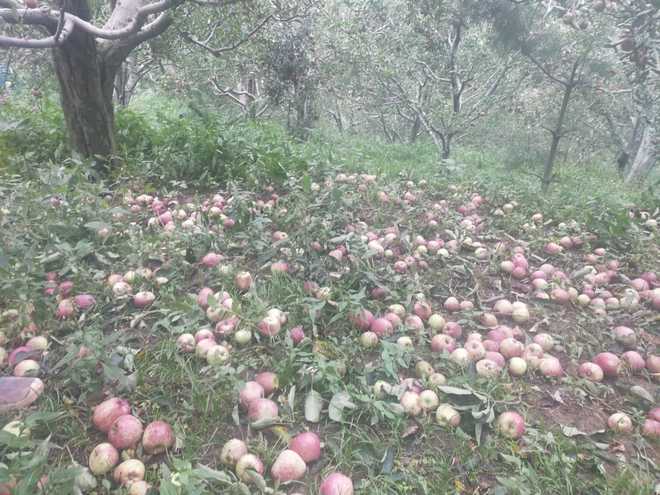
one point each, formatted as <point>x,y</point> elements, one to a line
<point>125,82</point>
<point>446,147</point>
<point>86,91</point>
<point>87,59</point>
<point>414,131</point>
<point>645,155</point>
<point>454,41</point>
<point>389,136</point>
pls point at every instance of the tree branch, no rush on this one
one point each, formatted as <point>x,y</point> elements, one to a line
<point>544,70</point>
<point>430,72</point>
<point>262,111</point>
<point>218,51</point>
<point>31,17</point>
<point>60,23</point>
<point>133,26</point>
<point>49,42</point>
<point>216,3</point>
<point>53,19</point>
<point>148,31</point>
<point>228,92</point>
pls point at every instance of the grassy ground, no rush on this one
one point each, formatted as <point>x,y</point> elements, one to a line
<point>566,448</point>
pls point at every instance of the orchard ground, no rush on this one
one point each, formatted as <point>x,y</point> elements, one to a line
<point>353,242</point>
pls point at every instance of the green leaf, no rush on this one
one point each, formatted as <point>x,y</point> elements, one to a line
<point>388,461</point>
<point>292,398</point>
<point>454,390</point>
<point>512,459</point>
<point>478,431</point>
<point>307,183</point>
<point>208,473</point>
<point>642,393</point>
<point>167,487</point>
<point>571,431</point>
<point>94,226</point>
<point>262,424</point>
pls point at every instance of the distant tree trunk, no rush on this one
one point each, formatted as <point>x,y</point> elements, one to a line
<point>253,90</point>
<point>557,132</point>
<point>248,92</point>
<point>441,139</point>
<point>645,156</point>
<point>636,154</point>
<point>446,147</point>
<point>304,113</point>
<point>457,86</point>
<point>414,131</point>
<point>388,134</point>
<point>337,117</point>
<point>125,82</point>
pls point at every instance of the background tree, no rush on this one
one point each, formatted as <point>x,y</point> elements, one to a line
<point>636,42</point>
<point>467,77</point>
<point>291,68</point>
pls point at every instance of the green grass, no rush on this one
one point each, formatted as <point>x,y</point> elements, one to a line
<point>133,353</point>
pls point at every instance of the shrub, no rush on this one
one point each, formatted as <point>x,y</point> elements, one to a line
<point>23,124</point>
<point>160,146</point>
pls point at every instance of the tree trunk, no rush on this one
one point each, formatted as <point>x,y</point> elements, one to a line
<point>389,136</point>
<point>645,155</point>
<point>302,129</point>
<point>414,132</point>
<point>253,89</point>
<point>446,148</point>
<point>304,107</point>
<point>455,38</point>
<point>550,162</point>
<point>125,82</point>
<point>337,117</point>
<point>86,86</point>
<point>557,132</point>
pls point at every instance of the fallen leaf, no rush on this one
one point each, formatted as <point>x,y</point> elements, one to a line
<point>313,406</point>
<point>411,430</point>
<point>339,402</point>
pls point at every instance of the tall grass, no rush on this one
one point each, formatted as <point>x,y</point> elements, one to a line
<point>163,140</point>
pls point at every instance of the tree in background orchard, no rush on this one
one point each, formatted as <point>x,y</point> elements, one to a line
<point>447,77</point>
<point>636,42</point>
<point>292,74</point>
<point>571,44</point>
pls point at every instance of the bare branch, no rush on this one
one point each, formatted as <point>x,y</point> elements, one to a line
<point>430,72</point>
<point>60,23</point>
<point>403,115</point>
<point>226,92</point>
<point>544,70</point>
<point>262,110</point>
<point>49,42</point>
<point>142,73</point>
<point>133,26</point>
<point>212,31</point>
<point>218,51</point>
<point>216,3</point>
<point>148,31</point>
<point>31,17</point>
<point>56,20</point>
